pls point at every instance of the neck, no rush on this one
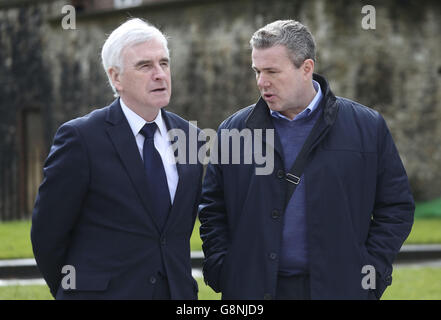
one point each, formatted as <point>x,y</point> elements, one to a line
<point>148,114</point>
<point>308,97</point>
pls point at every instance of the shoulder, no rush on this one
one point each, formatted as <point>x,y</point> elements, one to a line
<point>176,118</point>
<point>177,121</point>
<point>90,119</point>
<point>355,116</point>
<point>87,127</point>
<point>237,120</point>
<point>359,121</point>
<point>352,109</point>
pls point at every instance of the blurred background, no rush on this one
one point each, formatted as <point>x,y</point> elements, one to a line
<point>50,74</point>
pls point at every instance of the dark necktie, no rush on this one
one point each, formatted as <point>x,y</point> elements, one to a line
<point>156,178</point>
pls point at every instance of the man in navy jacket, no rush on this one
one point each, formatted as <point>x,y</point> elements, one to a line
<point>337,235</point>
<point>105,225</point>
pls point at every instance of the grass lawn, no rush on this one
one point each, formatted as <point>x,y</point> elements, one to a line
<point>15,240</point>
<point>33,292</point>
<point>195,240</point>
<point>412,283</point>
<point>408,284</point>
<point>425,231</point>
<point>205,292</point>
<point>15,237</point>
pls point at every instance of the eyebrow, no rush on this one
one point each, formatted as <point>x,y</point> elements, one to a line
<point>143,62</point>
<point>263,69</point>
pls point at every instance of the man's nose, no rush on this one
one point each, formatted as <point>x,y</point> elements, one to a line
<point>159,73</point>
<point>262,82</point>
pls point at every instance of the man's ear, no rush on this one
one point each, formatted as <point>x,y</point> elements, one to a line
<point>308,68</point>
<point>115,76</point>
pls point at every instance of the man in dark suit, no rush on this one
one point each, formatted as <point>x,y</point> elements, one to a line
<point>114,213</point>
<point>329,220</point>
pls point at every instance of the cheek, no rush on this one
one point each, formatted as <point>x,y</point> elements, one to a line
<point>131,82</point>
<point>169,83</point>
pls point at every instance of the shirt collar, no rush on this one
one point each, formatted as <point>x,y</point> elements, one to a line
<point>136,122</point>
<point>308,110</point>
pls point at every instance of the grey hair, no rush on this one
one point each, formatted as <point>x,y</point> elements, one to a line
<point>129,33</point>
<point>295,36</point>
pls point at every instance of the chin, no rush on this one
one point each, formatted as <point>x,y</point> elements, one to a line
<point>275,108</point>
<point>162,103</point>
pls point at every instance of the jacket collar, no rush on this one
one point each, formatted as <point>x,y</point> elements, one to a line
<point>115,116</point>
<point>330,106</point>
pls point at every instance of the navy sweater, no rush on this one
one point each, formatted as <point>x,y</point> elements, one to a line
<point>294,251</point>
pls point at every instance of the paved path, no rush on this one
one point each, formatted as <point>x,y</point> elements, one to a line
<point>196,273</point>
<point>420,264</point>
<point>22,282</point>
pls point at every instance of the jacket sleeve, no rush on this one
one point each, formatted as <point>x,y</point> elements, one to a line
<point>393,212</point>
<point>59,203</point>
<point>214,230</point>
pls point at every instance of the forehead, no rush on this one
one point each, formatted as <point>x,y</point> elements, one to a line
<point>148,50</point>
<point>268,57</point>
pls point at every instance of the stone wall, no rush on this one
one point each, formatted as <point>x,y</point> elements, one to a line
<point>395,69</point>
<point>25,85</point>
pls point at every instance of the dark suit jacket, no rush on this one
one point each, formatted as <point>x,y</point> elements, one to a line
<point>92,213</point>
<point>359,207</point>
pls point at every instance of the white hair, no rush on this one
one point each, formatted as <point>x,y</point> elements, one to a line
<point>131,32</point>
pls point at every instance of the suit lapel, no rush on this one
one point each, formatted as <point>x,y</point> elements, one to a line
<point>125,144</point>
<point>181,168</point>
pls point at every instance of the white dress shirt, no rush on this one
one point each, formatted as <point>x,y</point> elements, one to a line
<point>162,144</point>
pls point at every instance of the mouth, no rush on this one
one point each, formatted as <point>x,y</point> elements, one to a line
<point>268,96</point>
<point>159,90</point>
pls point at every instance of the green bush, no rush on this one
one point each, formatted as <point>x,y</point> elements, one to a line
<point>428,209</point>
